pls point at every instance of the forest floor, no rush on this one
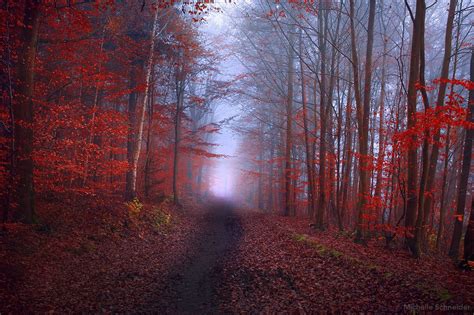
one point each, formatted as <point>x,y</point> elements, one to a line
<point>212,259</point>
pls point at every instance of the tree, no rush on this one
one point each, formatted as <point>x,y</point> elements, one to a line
<point>24,113</point>
<point>142,109</point>
<point>412,158</point>
<point>363,111</point>
<point>323,26</point>
<point>289,207</point>
<point>463,180</point>
<point>309,157</point>
<point>431,171</point>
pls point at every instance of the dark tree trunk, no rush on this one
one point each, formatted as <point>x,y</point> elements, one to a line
<point>24,115</point>
<point>132,120</point>
<point>469,237</point>
<point>463,180</point>
<point>322,115</point>
<point>363,111</point>
<point>412,154</point>
<point>177,136</point>
<point>428,183</point>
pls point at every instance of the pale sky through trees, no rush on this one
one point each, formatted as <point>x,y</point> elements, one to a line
<point>216,30</point>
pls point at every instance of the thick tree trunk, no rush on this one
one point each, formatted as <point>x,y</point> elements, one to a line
<point>412,154</point>
<point>464,178</point>
<point>469,237</point>
<point>422,217</point>
<point>24,114</point>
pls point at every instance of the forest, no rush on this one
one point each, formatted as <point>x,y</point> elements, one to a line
<point>236,156</point>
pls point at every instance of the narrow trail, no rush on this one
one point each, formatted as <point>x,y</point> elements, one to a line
<point>192,285</point>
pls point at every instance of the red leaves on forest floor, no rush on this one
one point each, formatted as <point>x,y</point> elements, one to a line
<point>281,265</point>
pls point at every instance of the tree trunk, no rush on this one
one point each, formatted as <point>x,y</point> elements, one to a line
<point>422,216</point>
<point>289,122</point>
<point>347,165</point>
<point>149,142</point>
<point>260,169</point>
<point>431,169</point>
<point>412,154</point>
<point>309,157</point>
<point>363,111</point>
<point>177,136</point>
<point>24,114</point>
<point>463,180</point>
<point>469,237</point>
<point>95,105</point>
<point>442,210</point>
<point>381,153</point>
<point>142,109</point>
<point>132,118</point>
<point>270,177</point>
<point>322,116</point>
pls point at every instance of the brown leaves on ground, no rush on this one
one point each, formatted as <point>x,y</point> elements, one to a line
<point>282,265</point>
<point>103,259</point>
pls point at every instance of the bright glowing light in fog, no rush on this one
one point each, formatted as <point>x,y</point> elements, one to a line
<point>222,182</point>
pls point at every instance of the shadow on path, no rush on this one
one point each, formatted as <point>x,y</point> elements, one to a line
<point>191,286</point>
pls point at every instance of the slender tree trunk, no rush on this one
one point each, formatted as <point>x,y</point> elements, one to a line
<point>149,142</point>
<point>464,178</point>
<point>94,109</point>
<point>289,122</point>
<point>142,109</point>
<point>260,169</point>
<point>381,153</point>
<point>347,165</point>
<point>309,157</point>
<point>132,119</point>
<point>24,114</point>
<point>270,177</point>
<point>177,136</point>
<point>322,116</point>
<point>330,123</point>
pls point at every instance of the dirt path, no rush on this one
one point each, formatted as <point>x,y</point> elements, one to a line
<point>192,286</point>
<point>222,260</point>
